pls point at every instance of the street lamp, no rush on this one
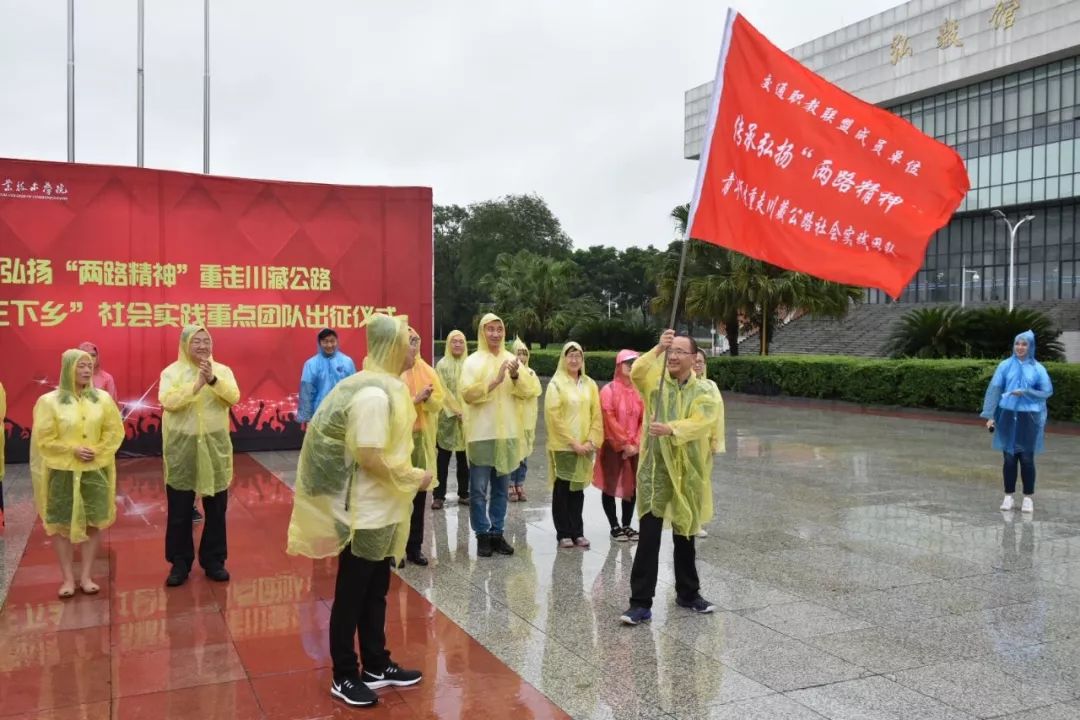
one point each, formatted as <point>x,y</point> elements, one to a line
<point>963,283</point>
<point>1012,251</point>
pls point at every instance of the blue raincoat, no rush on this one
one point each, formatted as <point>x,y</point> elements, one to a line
<point>1020,420</point>
<point>321,373</point>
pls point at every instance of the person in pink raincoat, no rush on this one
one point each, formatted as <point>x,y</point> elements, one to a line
<point>616,466</point>
<point>102,380</point>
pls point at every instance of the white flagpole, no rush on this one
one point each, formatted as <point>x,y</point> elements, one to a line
<point>206,86</point>
<point>71,81</point>
<point>140,127</point>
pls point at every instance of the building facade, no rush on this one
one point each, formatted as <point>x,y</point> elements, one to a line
<point>999,80</point>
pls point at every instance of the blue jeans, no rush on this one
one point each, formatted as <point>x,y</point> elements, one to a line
<point>488,497</point>
<point>517,478</point>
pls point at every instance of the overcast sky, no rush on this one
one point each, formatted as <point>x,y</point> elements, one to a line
<point>579,101</point>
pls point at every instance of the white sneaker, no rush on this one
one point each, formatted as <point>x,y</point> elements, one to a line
<point>1007,503</point>
<point>1027,506</point>
<point>703,533</point>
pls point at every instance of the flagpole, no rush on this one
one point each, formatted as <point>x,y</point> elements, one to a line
<point>206,87</point>
<point>71,81</point>
<point>140,126</point>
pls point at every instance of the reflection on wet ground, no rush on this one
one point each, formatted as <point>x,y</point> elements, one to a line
<point>859,564</point>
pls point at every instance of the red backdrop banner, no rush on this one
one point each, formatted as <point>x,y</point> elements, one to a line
<point>125,257</point>
<point>796,172</point>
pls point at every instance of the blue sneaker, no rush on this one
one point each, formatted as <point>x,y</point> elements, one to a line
<point>636,616</point>
<point>698,604</point>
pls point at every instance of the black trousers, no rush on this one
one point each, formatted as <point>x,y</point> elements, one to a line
<point>179,545</point>
<point>416,524</point>
<point>359,608</point>
<point>643,575</point>
<point>442,466</point>
<point>566,507</point>
<point>1027,472</point>
<point>608,501</point>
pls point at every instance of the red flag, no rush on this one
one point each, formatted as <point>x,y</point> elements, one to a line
<point>798,173</point>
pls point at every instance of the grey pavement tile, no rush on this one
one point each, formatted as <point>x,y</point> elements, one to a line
<point>883,607</point>
<point>1061,711</point>
<point>720,633</point>
<point>979,687</point>
<point>770,707</point>
<point>1055,663</point>
<point>804,619</point>
<point>874,698</point>
<point>790,665</point>
<point>882,649</point>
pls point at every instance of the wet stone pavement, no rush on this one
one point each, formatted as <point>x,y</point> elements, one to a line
<point>859,564</point>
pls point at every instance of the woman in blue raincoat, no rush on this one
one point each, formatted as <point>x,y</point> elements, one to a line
<point>1015,410</point>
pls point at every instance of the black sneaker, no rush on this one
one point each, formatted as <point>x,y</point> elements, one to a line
<point>353,692</point>
<point>630,533</point>
<point>636,616</point>
<point>177,576</point>
<point>499,545</point>
<point>392,675</point>
<point>618,534</point>
<point>196,516</point>
<point>483,545</point>
<point>698,604</point>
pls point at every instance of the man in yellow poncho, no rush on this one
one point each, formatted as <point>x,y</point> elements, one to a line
<point>672,472</point>
<point>491,385</point>
<point>428,397</point>
<point>355,485</point>
<point>529,410</point>
<point>196,393</point>
<point>77,431</point>
<point>450,439</point>
<point>575,431</point>
<point>717,442</point>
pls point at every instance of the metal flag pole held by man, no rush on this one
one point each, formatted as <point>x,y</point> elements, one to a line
<point>674,317</point>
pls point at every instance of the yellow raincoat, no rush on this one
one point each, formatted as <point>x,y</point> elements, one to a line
<point>355,481</point>
<point>494,431</point>
<point>426,427</point>
<point>451,434</point>
<point>197,449</point>
<point>572,414</point>
<point>72,495</point>
<point>529,406</point>
<point>674,471</point>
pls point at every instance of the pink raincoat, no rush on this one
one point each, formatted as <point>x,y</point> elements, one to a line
<point>622,409</point>
<point>102,380</point>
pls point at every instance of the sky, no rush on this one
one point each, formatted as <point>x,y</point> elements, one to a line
<point>578,101</point>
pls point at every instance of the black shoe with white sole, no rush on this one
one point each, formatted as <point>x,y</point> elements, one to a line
<point>353,692</point>
<point>392,675</point>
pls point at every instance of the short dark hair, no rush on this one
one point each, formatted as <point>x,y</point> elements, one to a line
<point>693,342</point>
<point>325,333</point>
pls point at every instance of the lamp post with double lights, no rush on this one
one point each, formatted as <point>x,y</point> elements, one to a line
<point>1012,251</point>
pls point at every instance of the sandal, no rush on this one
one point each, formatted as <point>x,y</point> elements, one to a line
<point>65,594</point>
<point>89,588</point>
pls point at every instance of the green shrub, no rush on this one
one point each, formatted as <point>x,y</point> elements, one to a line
<point>955,385</point>
<point>985,332</point>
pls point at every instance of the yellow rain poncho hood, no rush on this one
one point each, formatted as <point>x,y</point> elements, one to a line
<point>426,427</point>
<point>195,440</point>
<point>494,428</point>
<point>674,472</point>
<point>451,434</point>
<point>355,481</point>
<point>70,494</point>
<point>529,406</point>
<point>572,415</point>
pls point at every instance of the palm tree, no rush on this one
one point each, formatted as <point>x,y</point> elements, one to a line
<point>534,295</point>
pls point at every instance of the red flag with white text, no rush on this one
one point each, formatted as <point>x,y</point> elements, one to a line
<point>801,174</point>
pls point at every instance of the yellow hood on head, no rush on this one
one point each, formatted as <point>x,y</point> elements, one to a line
<point>387,344</point>
<point>481,339</point>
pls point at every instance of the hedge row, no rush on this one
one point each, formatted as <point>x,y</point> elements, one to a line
<point>954,385</point>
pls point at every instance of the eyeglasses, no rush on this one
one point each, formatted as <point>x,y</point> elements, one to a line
<point>676,352</point>
<point>415,342</point>
<point>200,343</point>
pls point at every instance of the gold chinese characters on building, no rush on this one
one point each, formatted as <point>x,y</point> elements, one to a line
<point>1004,15</point>
<point>900,48</point>
<point>949,35</point>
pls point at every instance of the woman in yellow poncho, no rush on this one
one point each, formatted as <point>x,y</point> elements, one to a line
<point>491,385</point>
<point>717,442</point>
<point>673,471</point>
<point>450,438</point>
<point>428,397</point>
<point>575,430</point>
<point>77,431</point>
<point>529,410</point>
<point>196,393</point>
<point>355,485</point>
